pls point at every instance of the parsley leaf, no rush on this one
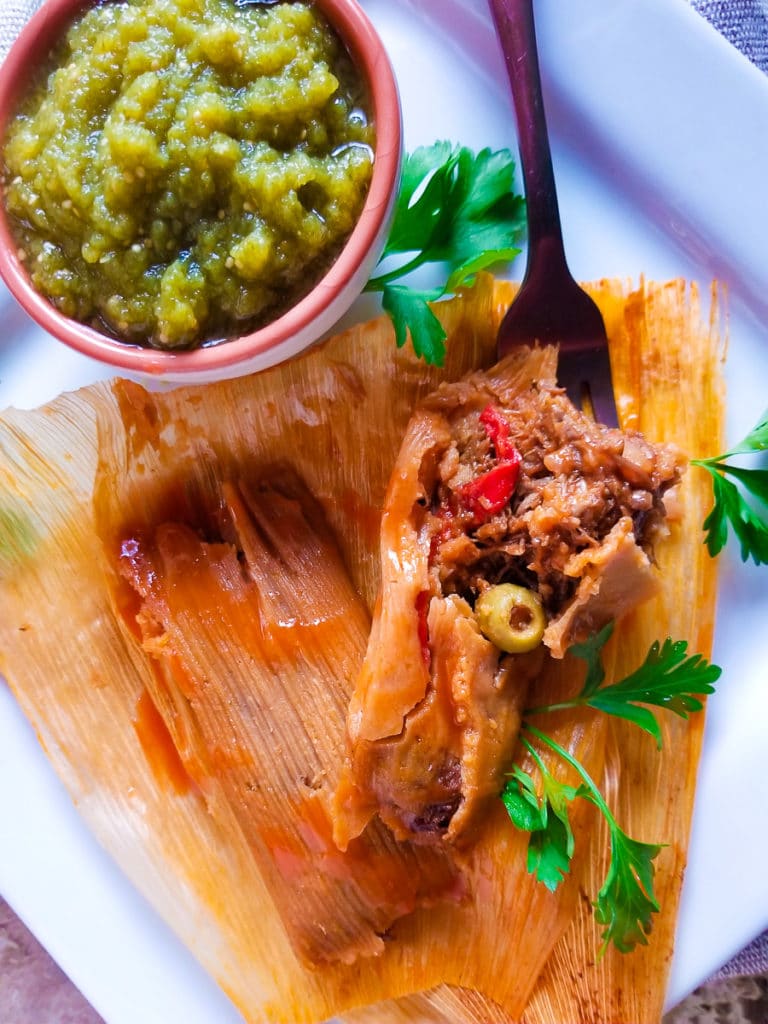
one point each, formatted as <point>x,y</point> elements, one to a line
<point>755,481</point>
<point>465,274</point>
<point>626,901</point>
<point>454,207</point>
<point>755,441</point>
<point>549,858</point>
<point>730,507</point>
<point>522,803</point>
<point>417,219</point>
<point>591,652</point>
<point>551,845</point>
<point>725,507</point>
<point>668,678</point>
<point>409,309</point>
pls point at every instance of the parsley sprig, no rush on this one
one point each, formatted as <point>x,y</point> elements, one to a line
<point>453,207</point>
<point>626,900</point>
<point>667,679</point>
<point>748,520</point>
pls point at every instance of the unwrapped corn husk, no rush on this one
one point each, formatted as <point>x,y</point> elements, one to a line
<point>100,466</point>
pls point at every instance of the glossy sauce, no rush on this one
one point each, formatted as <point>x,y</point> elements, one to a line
<point>159,748</point>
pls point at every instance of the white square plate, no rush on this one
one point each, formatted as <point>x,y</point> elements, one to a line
<point>660,144</point>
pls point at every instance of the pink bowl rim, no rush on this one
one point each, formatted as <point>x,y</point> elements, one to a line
<point>370,55</point>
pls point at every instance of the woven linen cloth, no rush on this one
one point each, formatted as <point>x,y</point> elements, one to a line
<point>744,23</point>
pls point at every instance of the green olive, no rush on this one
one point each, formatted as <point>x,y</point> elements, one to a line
<point>511,617</point>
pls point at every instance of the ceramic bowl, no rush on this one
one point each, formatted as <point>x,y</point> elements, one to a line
<point>306,321</point>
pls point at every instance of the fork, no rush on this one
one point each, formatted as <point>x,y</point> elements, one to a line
<point>550,307</point>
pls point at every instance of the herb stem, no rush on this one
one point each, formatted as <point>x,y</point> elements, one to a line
<point>594,793</point>
<point>563,706</point>
<point>534,754</point>
<point>375,284</point>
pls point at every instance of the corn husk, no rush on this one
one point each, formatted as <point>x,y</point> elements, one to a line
<point>166,798</point>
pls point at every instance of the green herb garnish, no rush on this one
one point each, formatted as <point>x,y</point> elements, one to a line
<point>626,900</point>
<point>454,207</point>
<point>667,679</point>
<point>551,845</point>
<point>750,524</point>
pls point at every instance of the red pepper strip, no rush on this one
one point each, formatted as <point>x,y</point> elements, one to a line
<point>490,492</point>
<point>498,430</point>
<point>422,607</point>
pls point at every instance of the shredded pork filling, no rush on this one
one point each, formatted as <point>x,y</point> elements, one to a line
<point>577,479</point>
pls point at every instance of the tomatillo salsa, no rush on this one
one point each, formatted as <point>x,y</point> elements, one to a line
<point>188,169</point>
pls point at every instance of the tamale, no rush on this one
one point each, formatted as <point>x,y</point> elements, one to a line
<point>337,417</point>
<point>500,480</point>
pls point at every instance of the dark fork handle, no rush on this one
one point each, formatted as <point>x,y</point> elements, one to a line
<point>550,306</point>
<point>514,23</point>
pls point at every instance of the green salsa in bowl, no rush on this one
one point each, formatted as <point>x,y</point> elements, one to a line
<point>185,176</point>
